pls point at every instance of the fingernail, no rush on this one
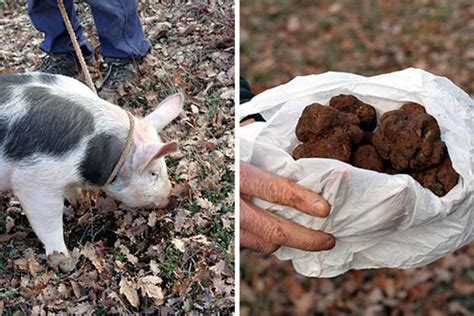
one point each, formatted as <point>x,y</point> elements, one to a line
<point>330,243</point>
<point>318,207</point>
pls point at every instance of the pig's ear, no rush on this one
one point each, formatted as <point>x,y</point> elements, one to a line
<point>144,155</point>
<point>166,111</point>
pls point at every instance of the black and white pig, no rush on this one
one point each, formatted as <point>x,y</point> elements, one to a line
<point>56,134</point>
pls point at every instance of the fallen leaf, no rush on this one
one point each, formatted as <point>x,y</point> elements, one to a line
<point>81,309</point>
<point>154,292</point>
<point>76,289</point>
<point>9,224</point>
<point>180,219</point>
<point>90,253</point>
<point>178,243</point>
<point>194,109</point>
<point>62,290</point>
<point>36,310</point>
<point>127,289</point>
<point>227,94</point>
<point>15,235</point>
<point>200,239</point>
<point>154,267</point>
<point>464,287</point>
<point>181,190</point>
<point>33,266</point>
<point>149,286</point>
<point>21,264</point>
<point>132,259</point>
<point>152,219</point>
<point>151,279</point>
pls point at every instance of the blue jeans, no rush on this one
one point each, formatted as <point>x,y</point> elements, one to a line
<point>117,22</point>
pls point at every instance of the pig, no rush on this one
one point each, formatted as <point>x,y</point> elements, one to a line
<point>56,135</point>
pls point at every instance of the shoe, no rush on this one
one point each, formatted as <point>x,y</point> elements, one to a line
<point>63,64</point>
<point>119,71</point>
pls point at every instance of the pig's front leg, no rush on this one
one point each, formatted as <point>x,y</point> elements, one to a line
<point>44,209</point>
<point>73,195</point>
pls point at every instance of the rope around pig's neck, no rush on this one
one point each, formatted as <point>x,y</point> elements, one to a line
<point>125,152</point>
<point>90,83</point>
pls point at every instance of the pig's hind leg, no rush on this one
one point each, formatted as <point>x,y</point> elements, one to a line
<point>45,212</point>
<point>44,209</point>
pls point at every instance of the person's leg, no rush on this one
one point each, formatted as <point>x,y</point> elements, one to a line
<point>122,42</point>
<point>46,17</point>
<point>120,31</point>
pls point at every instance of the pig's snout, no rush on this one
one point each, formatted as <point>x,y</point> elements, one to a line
<point>164,199</point>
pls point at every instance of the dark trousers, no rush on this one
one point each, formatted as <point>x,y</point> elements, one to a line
<point>117,22</point>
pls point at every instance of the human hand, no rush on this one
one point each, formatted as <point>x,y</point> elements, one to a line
<point>264,231</point>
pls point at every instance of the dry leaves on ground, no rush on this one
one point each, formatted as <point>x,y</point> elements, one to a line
<point>365,37</point>
<point>128,261</point>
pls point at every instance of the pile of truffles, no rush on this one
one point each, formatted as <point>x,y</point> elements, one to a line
<point>406,141</point>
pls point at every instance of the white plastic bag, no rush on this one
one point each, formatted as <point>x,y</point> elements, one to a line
<point>379,220</point>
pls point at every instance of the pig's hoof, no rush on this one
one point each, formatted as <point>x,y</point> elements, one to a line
<point>68,265</point>
<point>62,261</point>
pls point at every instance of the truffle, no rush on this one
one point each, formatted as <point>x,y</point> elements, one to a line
<point>350,104</point>
<point>367,138</point>
<point>413,107</point>
<point>319,121</point>
<point>440,179</point>
<point>337,146</point>
<point>390,170</point>
<point>366,157</point>
<point>409,139</point>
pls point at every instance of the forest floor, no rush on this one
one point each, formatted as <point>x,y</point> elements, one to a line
<point>145,261</point>
<point>366,37</point>
<point>282,39</point>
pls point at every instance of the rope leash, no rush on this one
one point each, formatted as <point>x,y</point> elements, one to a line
<point>125,151</point>
<point>75,43</point>
<point>90,83</point>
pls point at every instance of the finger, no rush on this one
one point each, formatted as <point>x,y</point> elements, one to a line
<point>279,231</point>
<point>247,122</point>
<point>275,189</point>
<point>253,242</point>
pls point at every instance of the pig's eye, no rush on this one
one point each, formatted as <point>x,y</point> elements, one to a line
<point>153,174</point>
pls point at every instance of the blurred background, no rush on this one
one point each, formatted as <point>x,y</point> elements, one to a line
<point>281,39</point>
